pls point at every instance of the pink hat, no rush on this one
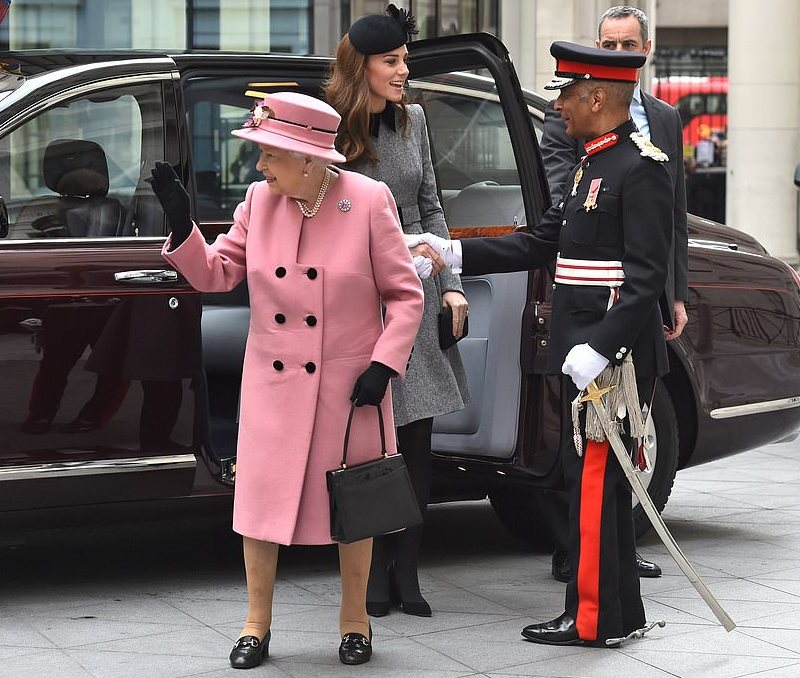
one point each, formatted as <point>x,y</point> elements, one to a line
<point>294,122</point>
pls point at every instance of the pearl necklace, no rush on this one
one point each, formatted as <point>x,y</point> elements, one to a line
<point>323,189</point>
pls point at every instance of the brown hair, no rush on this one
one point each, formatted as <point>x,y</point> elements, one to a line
<point>347,90</point>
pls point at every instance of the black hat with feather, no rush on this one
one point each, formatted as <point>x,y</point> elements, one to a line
<point>379,33</point>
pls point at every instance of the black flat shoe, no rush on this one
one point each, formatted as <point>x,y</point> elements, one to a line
<point>559,631</point>
<point>646,568</point>
<point>356,648</point>
<point>249,651</point>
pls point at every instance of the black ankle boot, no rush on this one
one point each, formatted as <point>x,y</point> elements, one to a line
<point>405,575</point>
<point>249,651</point>
<point>355,648</point>
<point>378,586</point>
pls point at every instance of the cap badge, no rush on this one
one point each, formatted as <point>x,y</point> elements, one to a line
<point>344,205</point>
<point>647,149</point>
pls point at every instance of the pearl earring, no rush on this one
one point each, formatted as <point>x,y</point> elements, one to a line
<point>305,174</point>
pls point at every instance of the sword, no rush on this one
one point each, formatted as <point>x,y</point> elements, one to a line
<point>594,395</point>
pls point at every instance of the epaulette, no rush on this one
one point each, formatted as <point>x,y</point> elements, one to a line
<point>647,149</point>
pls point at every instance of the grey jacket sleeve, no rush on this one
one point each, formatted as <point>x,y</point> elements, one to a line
<point>559,152</point>
<point>430,209</point>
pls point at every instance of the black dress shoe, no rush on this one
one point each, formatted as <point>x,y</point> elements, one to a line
<point>560,566</point>
<point>249,651</point>
<point>561,571</point>
<point>356,648</point>
<point>646,568</point>
<point>559,631</point>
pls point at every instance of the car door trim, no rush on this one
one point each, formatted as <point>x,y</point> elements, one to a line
<point>755,408</point>
<point>71,92</point>
<point>66,469</point>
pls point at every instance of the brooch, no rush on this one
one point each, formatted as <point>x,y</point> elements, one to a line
<point>344,205</point>
<point>257,114</point>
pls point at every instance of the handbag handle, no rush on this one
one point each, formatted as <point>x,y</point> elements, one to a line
<point>384,453</point>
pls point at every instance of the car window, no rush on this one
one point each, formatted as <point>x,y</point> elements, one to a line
<point>224,165</point>
<point>76,169</point>
<point>472,154</point>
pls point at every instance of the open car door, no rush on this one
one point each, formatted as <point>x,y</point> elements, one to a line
<point>492,181</point>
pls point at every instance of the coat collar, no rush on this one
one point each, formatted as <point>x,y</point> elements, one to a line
<point>387,115</point>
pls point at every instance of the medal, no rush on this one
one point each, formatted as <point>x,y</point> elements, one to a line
<point>576,180</point>
<point>591,199</point>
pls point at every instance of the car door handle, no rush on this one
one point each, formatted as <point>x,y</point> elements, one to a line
<point>147,276</point>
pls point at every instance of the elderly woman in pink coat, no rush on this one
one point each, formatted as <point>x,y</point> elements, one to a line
<point>335,306</point>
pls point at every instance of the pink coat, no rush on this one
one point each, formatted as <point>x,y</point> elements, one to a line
<point>317,287</point>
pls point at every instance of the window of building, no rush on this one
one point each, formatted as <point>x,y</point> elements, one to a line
<point>257,25</point>
<point>434,17</point>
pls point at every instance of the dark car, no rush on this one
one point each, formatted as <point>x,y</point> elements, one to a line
<point>116,388</point>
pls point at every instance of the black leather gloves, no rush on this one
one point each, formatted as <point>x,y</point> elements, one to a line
<point>174,200</point>
<point>371,385</point>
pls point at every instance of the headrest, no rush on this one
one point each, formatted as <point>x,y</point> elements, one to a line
<point>76,168</point>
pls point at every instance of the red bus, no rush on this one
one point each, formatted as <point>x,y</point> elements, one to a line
<point>702,102</point>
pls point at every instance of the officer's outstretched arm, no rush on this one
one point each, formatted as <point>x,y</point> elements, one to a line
<point>514,252</point>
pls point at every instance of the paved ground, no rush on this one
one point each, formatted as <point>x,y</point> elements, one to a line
<point>164,598</point>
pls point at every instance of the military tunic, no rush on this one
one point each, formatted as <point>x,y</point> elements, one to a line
<point>617,207</point>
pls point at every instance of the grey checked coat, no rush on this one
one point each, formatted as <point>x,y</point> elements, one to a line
<point>435,382</point>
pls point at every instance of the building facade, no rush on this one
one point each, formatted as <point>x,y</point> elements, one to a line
<point>740,150</point>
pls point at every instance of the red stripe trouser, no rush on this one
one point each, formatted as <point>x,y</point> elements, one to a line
<point>603,593</point>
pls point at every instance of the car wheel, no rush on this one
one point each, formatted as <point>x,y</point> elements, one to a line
<point>661,443</point>
<point>522,510</point>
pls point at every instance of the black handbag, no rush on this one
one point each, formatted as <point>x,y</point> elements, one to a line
<point>370,499</point>
<point>446,336</point>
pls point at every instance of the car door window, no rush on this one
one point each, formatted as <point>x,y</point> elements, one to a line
<point>472,152</point>
<point>76,170</point>
<point>224,165</point>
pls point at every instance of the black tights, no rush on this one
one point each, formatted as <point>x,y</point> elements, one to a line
<point>399,553</point>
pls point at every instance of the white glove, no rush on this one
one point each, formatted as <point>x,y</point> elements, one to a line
<point>423,265</point>
<point>583,364</point>
<point>449,250</point>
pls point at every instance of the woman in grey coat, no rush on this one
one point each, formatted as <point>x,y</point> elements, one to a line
<point>387,140</point>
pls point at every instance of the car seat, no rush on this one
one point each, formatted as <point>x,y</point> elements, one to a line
<point>77,171</point>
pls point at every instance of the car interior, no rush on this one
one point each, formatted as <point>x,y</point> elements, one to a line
<point>77,173</point>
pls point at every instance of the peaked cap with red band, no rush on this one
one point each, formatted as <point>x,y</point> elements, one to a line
<point>576,62</point>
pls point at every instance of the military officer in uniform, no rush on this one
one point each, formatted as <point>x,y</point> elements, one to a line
<point>611,237</point>
<point>624,28</point>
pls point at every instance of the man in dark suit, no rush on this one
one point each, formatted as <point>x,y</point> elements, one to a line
<point>624,29</point>
<point>611,237</point>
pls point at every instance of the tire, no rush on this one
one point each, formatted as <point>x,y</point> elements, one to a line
<point>663,447</point>
<point>521,509</point>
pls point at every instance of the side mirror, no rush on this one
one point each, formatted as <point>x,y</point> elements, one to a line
<point>3,218</point>
<point>797,175</point>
